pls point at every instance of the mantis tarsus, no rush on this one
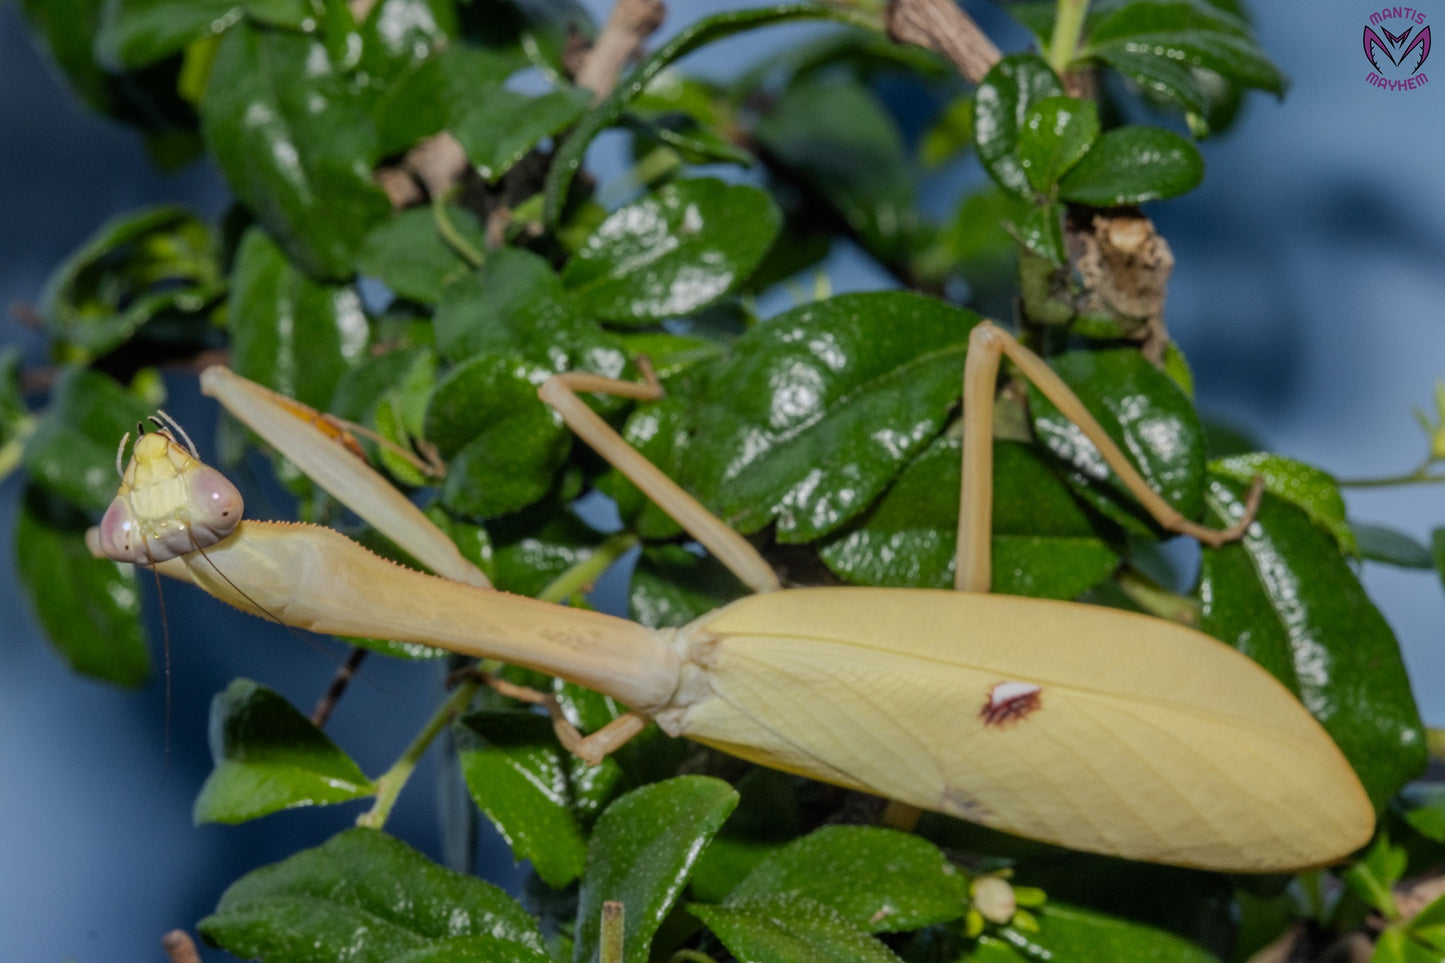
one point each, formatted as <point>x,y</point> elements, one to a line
<point>1090,727</point>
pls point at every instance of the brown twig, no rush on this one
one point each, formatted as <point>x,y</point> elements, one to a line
<point>940,25</point>
<point>629,25</point>
<point>344,674</point>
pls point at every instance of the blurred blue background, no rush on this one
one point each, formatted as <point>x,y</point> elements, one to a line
<point>1309,296</point>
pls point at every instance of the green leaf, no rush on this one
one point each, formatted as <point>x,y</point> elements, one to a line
<point>788,928</point>
<point>1304,486</point>
<point>1056,133</point>
<point>72,451</point>
<point>1284,596</point>
<point>134,33</point>
<point>89,607</point>
<point>499,129</point>
<point>1147,415</point>
<point>416,97</point>
<point>1074,933</point>
<point>1131,165</point>
<point>834,137</point>
<point>643,849</point>
<point>1000,111</point>
<point>1372,877</point>
<point>521,778</point>
<point>270,757</point>
<point>1045,544</point>
<point>295,145</point>
<point>1425,812</point>
<point>879,880</point>
<point>290,333</point>
<point>1437,549</point>
<point>503,446</point>
<point>787,426</point>
<point>516,303</point>
<point>673,251</point>
<point>409,254</point>
<point>134,268</point>
<point>368,898</point>
<point>568,159</point>
<point>1041,232</point>
<point>1392,547</point>
<point>1182,34</point>
<point>672,586</point>
<point>530,552</point>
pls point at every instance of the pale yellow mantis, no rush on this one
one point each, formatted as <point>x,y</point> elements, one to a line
<point>1090,727</point>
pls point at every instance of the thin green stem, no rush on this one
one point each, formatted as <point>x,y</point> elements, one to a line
<point>389,786</point>
<point>610,949</point>
<point>1158,601</point>
<point>448,230</point>
<point>1068,27</point>
<point>1420,476</point>
<point>580,577</point>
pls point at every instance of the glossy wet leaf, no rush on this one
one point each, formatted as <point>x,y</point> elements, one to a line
<point>879,880</point>
<point>501,443</point>
<point>499,129</point>
<point>530,551</point>
<point>366,897</point>
<point>1056,132</point>
<point>1041,232</point>
<point>1181,35</point>
<point>788,928</point>
<point>1012,88</point>
<point>294,145</point>
<point>834,137</point>
<point>1287,598</point>
<point>673,251</point>
<point>134,268</point>
<point>643,849</point>
<point>410,255</point>
<point>269,757</point>
<point>568,159</point>
<point>416,97</point>
<point>134,33</point>
<point>1147,415</point>
<point>813,413</point>
<point>289,332</point>
<point>1131,165</point>
<point>1378,543</point>
<point>516,303</point>
<point>89,607</point>
<point>1044,542</point>
<point>72,450</point>
<point>672,586</point>
<point>1304,486</point>
<point>520,777</point>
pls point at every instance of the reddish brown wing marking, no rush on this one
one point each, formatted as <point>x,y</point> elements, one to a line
<point>1009,702</point>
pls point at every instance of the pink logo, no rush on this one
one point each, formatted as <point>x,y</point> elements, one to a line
<point>1397,59</point>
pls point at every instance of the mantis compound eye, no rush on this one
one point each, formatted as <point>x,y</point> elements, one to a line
<point>215,506</point>
<point>119,536</point>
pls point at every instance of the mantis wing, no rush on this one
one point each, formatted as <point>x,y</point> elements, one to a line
<point>1139,738</point>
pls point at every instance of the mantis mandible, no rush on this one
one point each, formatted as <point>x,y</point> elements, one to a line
<point>1089,727</point>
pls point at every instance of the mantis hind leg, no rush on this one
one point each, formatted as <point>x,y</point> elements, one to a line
<point>988,345</point>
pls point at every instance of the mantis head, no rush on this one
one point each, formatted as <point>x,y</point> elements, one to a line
<point>169,503</point>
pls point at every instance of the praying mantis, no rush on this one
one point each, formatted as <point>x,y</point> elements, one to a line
<point>1089,727</point>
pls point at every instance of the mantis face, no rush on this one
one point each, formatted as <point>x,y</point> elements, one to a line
<point>169,504</point>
